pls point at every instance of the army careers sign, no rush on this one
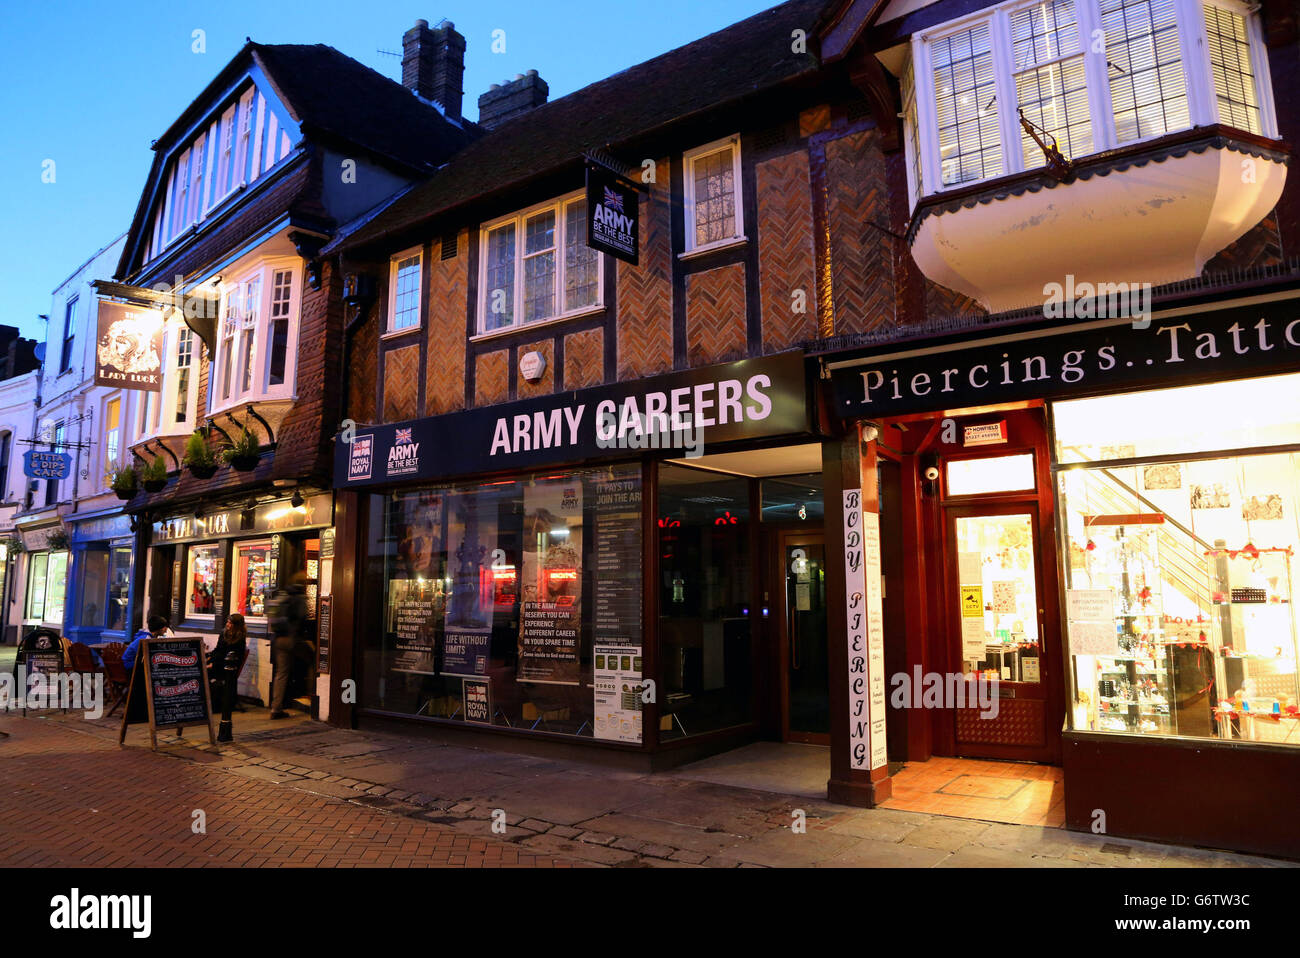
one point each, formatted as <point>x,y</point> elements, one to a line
<point>613,214</point>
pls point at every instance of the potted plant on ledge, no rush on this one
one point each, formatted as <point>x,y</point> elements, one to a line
<point>200,459</point>
<point>154,475</point>
<point>124,483</point>
<point>244,451</point>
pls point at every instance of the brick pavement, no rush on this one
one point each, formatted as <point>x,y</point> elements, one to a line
<point>82,801</point>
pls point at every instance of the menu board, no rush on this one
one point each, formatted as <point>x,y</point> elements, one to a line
<point>323,623</point>
<point>175,674</point>
<point>617,558</point>
<point>616,686</point>
<point>550,615</point>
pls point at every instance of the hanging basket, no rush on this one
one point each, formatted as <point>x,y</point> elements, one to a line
<point>126,495</point>
<point>204,472</point>
<point>154,485</point>
<point>245,463</point>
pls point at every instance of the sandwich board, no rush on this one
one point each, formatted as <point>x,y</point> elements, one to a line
<point>169,688</point>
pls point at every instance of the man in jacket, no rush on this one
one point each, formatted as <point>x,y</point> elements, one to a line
<point>289,625</point>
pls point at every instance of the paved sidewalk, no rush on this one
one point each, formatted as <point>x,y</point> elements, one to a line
<point>73,799</point>
<point>562,809</point>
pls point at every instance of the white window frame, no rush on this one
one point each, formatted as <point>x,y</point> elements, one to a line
<point>113,460</point>
<point>259,391</point>
<point>389,328</point>
<point>1202,105</point>
<point>560,208</point>
<point>156,412</point>
<point>689,159</point>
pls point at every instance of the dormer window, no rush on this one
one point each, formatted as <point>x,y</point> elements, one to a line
<point>1090,74</point>
<point>236,146</point>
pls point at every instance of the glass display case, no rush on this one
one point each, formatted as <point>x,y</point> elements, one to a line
<point>1116,607</point>
<point>1254,635</point>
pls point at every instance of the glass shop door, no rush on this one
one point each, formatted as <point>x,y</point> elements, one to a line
<point>805,669</point>
<point>1001,665</point>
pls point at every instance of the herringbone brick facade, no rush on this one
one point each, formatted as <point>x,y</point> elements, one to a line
<point>862,271</point>
<point>546,384</point>
<point>785,251</point>
<point>402,383</point>
<point>444,388</point>
<point>584,359</point>
<point>492,377</point>
<point>645,328</point>
<point>715,315</point>
<point>363,372</point>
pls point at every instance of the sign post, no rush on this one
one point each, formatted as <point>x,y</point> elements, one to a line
<point>169,688</point>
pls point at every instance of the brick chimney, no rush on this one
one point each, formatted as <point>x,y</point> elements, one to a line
<point>507,100</point>
<point>433,64</point>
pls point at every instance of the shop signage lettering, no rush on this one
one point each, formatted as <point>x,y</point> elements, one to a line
<point>1229,342</point>
<point>128,353</point>
<point>675,414</point>
<point>613,208</point>
<point>268,517</point>
<point>47,465</point>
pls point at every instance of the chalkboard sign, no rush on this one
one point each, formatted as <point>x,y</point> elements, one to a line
<point>171,676</point>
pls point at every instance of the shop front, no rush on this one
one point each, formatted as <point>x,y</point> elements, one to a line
<point>1104,519</point>
<point>44,592</point>
<point>592,567</point>
<point>100,592</point>
<point>207,565</point>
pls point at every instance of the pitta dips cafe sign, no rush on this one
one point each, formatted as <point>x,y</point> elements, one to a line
<point>128,351</point>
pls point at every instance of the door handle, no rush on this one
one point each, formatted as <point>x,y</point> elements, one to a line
<point>793,632</point>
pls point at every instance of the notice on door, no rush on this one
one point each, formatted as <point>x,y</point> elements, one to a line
<point>1091,617</point>
<point>972,602</point>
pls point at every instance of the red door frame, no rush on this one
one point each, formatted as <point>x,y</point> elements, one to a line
<point>912,440</point>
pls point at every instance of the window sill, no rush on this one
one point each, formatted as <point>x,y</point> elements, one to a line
<point>539,324</point>
<point>713,247</point>
<point>399,333</point>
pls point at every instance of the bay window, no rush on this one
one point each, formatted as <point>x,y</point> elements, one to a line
<point>1090,74</point>
<point>536,266</point>
<point>171,411</point>
<point>255,345</point>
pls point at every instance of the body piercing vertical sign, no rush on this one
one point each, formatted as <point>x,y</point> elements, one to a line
<point>865,634</point>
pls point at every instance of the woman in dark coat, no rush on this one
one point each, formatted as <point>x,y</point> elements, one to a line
<point>227,654</point>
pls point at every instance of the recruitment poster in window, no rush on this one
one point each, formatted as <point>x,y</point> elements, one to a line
<point>616,553</point>
<point>550,617</point>
<point>616,685</point>
<point>416,593</point>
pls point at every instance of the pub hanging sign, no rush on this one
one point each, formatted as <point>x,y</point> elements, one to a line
<point>613,214</point>
<point>128,351</point>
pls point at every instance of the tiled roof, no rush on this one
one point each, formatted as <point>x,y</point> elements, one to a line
<point>749,56</point>
<point>335,94</point>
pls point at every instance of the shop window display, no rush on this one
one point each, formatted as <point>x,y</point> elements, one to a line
<point>204,578</point>
<point>704,589</point>
<point>511,603</point>
<point>252,583</point>
<point>1180,568</point>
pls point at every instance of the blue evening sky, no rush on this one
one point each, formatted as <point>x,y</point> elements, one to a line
<point>90,85</point>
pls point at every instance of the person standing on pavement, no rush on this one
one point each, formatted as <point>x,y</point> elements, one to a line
<point>155,626</point>
<point>289,626</point>
<point>227,655</point>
